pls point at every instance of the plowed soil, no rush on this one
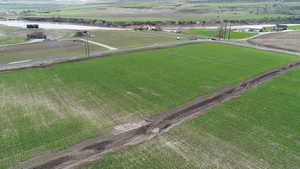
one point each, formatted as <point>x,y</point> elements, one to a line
<point>282,40</point>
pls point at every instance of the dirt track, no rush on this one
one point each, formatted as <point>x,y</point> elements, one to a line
<point>93,149</point>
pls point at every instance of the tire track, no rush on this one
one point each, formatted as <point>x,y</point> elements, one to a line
<point>94,149</point>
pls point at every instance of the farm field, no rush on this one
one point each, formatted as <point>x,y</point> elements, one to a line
<point>43,50</point>
<point>123,39</point>
<point>176,10</point>
<point>68,103</point>
<point>11,35</point>
<point>260,129</point>
<point>294,27</point>
<point>282,40</point>
<point>213,33</point>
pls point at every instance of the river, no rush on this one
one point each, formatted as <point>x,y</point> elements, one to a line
<point>65,26</point>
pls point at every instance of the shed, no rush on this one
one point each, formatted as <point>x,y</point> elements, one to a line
<point>36,35</point>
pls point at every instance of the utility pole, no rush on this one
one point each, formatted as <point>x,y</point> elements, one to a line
<point>225,31</point>
<point>87,44</point>
<point>229,34</point>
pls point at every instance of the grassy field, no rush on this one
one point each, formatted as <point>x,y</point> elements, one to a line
<point>213,33</point>
<point>122,39</point>
<point>11,35</point>
<point>257,130</point>
<point>52,108</point>
<point>294,27</point>
<point>111,38</point>
<point>177,10</point>
<point>13,56</point>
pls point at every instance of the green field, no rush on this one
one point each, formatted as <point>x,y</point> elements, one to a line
<point>122,39</point>
<point>257,130</point>
<point>11,35</point>
<point>294,27</point>
<point>213,33</point>
<point>52,108</point>
<point>178,10</point>
<point>14,56</point>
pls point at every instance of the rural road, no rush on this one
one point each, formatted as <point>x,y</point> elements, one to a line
<point>37,62</point>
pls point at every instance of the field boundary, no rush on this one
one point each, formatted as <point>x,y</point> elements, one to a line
<point>92,150</point>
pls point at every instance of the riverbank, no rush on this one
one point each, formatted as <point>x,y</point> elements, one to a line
<point>124,24</point>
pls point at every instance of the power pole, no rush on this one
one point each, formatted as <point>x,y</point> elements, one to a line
<point>229,34</point>
<point>225,31</point>
<point>221,31</point>
<point>88,44</point>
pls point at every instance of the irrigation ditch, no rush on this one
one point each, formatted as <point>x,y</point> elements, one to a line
<point>94,149</point>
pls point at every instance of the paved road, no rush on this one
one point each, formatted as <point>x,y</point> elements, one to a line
<point>31,63</point>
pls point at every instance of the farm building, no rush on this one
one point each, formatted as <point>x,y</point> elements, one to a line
<point>279,27</point>
<point>81,34</point>
<point>36,35</point>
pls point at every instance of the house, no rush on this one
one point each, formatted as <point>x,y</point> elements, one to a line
<point>82,34</point>
<point>36,35</point>
<point>279,27</point>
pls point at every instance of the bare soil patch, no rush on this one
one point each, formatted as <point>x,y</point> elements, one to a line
<point>283,40</point>
<point>40,45</point>
<point>93,149</point>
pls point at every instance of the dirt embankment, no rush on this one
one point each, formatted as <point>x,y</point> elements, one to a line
<point>93,149</point>
<point>104,23</point>
<point>282,40</point>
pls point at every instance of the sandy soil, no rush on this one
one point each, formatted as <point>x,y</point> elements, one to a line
<point>283,40</point>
